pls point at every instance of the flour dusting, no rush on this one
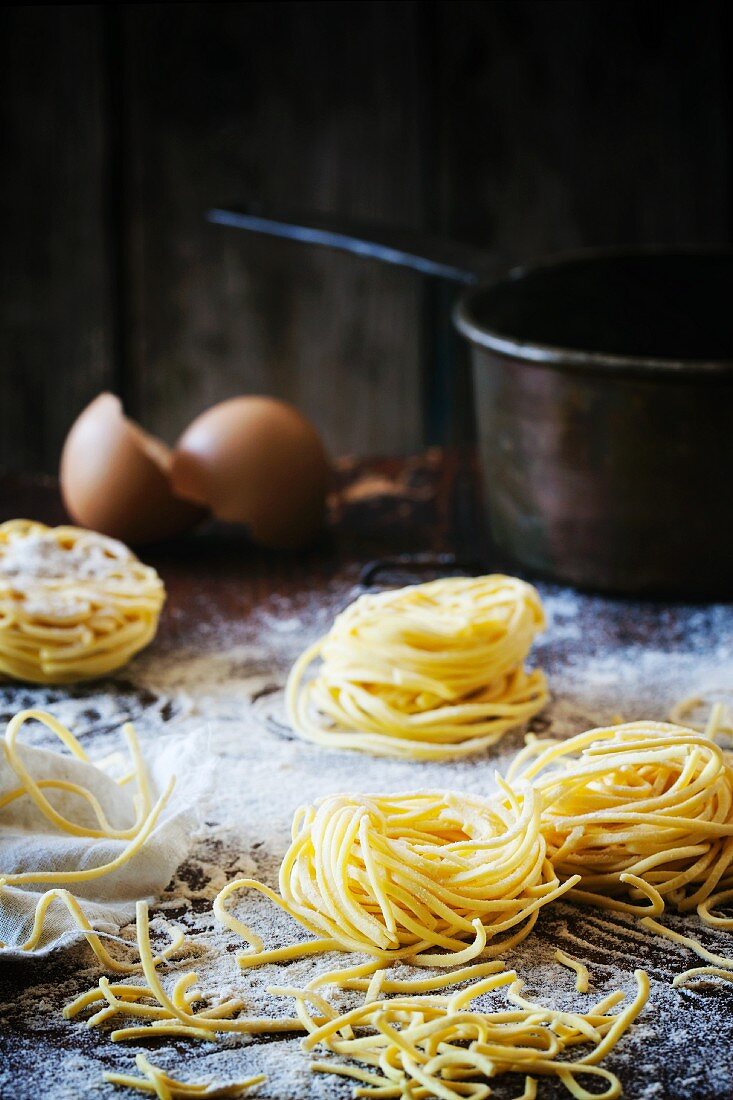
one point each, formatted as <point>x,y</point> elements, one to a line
<point>604,659</point>
<point>41,557</point>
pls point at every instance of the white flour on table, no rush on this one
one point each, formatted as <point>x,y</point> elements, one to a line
<point>604,659</point>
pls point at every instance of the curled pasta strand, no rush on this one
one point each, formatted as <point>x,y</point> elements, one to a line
<point>119,966</point>
<point>136,836</point>
<point>33,789</point>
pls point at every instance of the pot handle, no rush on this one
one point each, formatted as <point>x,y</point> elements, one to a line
<point>460,263</point>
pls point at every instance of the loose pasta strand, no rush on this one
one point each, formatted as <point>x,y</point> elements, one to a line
<point>165,1087</point>
<point>581,970</point>
<point>135,835</point>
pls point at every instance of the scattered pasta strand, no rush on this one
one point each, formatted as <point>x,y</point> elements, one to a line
<point>118,966</point>
<point>416,1045</point>
<point>74,604</point>
<point>581,970</point>
<point>165,1087</point>
<point>136,835</point>
<point>170,1013</point>
<point>631,818</point>
<point>718,720</point>
<point>422,985</point>
<point>703,972</point>
<point>90,873</point>
<point>429,672</point>
<point>452,1050</point>
<point>438,1043</point>
<point>461,869</point>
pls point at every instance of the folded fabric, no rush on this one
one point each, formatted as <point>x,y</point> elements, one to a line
<point>33,844</point>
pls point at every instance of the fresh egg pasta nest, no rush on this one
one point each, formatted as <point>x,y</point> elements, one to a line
<point>643,809</point>
<point>397,876</point>
<point>74,605</point>
<point>430,672</point>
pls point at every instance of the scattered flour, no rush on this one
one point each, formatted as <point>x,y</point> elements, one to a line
<point>603,658</point>
<point>40,557</point>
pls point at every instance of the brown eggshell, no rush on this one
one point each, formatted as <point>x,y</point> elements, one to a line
<point>114,478</point>
<point>256,461</point>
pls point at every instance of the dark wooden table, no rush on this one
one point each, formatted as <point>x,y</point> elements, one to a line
<point>600,655</point>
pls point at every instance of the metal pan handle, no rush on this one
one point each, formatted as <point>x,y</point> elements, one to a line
<point>460,263</point>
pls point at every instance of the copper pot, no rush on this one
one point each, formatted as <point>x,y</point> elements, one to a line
<point>604,404</point>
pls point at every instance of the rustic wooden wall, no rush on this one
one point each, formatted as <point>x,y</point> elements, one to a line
<point>527,126</point>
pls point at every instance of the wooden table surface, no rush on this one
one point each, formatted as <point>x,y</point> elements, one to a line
<point>426,510</point>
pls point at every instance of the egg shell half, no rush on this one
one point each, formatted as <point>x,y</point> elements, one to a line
<point>114,478</point>
<point>257,461</point>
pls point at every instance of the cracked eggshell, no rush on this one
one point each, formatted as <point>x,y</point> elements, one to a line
<point>114,478</point>
<point>259,462</point>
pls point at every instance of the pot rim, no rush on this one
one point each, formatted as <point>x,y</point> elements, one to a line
<point>538,354</point>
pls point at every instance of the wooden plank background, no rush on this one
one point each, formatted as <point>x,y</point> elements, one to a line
<point>526,126</point>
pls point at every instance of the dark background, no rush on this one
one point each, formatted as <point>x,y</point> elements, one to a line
<point>527,127</point>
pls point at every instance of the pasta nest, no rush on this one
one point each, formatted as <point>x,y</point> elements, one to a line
<point>432,671</point>
<point>397,876</point>
<point>74,605</point>
<point>644,808</point>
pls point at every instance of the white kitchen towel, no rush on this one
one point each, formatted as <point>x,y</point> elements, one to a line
<point>30,842</point>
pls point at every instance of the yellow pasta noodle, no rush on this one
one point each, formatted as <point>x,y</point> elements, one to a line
<point>428,672</point>
<point>581,970</point>
<point>165,1087</point>
<point>119,966</point>
<point>426,870</point>
<point>170,1013</point>
<point>74,605</point>
<point>433,877</point>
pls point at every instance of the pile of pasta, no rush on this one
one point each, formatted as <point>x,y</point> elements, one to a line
<point>640,816</point>
<point>428,672</point>
<point>433,879</point>
<point>74,605</point>
<point>440,1046</point>
<point>397,876</point>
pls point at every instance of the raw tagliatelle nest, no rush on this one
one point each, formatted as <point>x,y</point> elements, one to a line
<point>429,672</point>
<point>643,814</point>
<point>74,604</point>
<point>433,877</point>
